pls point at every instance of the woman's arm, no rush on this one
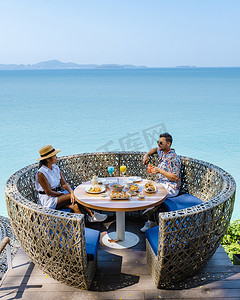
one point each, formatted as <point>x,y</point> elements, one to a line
<point>67,187</point>
<point>46,186</point>
<point>64,183</point>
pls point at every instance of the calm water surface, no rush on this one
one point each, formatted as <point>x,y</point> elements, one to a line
<point>95,110</point>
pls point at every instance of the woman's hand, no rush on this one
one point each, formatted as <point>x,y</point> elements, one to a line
<point>72,197</point>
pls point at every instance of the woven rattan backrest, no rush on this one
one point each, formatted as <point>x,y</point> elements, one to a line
<point>199,178</point>
<point>187,238</point>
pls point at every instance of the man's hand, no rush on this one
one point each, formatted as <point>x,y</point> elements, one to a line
<point>166,174</point>
<point>155,170</point>
<point>145,159</point>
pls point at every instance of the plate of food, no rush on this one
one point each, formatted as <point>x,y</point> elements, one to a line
<point>119,195</point>
<point>135,178</point>
<point>95,189</point>
<point>134,187</point>
<point>116,187</point>
<point>150,188</point>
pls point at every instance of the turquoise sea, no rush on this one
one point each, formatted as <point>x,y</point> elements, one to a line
<point>96,110</point>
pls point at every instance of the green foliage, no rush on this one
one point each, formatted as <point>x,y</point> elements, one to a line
<point>231,238</point>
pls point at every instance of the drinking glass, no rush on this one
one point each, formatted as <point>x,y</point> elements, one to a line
<point>110,170</point>
<point>123,169</point>
<point>149,168</point>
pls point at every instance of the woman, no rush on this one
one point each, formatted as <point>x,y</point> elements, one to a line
<point>48,179</point>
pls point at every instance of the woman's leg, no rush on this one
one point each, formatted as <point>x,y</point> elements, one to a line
<point>64,201</point>
<point>87,210</point>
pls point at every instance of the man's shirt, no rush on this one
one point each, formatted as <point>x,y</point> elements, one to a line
<point>170,162</point>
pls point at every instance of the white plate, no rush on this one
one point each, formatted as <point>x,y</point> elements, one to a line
<point>88,187</point>
<point>135,178</point>
<point>150,192</point>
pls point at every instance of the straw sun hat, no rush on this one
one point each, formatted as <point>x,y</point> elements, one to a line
<point>47,151</point>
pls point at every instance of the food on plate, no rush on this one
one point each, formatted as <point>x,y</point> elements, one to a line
<point>141,195</point>
<point>119,195</point>
<point>116,187</point>
<point>150,187</point>
<point>134,187</point>
<point>95,189</point>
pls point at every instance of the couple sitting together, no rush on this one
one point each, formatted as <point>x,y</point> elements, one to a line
<point>49,178</point>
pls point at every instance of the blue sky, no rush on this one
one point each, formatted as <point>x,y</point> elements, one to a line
<point>154,33</point>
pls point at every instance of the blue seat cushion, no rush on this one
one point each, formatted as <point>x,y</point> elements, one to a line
<point>66,209</point>
<point>180,202</point>
<point>152,237</point>
<point>92,237</point>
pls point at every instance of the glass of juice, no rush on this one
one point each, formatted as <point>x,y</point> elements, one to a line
<point>123,169</point>
<point>149,168</point>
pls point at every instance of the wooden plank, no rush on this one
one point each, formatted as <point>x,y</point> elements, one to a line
<point>124,274</point>
<point>193,293</point>
<point>221,269</point>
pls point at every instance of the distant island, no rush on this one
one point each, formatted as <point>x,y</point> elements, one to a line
<point>56,64</point>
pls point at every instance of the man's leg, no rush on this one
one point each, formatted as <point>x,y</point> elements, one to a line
<point>150,212</point>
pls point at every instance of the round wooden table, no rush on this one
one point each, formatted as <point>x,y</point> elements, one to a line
<point>120,239</point>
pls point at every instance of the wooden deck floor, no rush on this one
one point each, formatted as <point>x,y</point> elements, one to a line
<point>123,274</point>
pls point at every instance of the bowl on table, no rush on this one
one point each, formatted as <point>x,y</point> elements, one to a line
<point>116,187</point>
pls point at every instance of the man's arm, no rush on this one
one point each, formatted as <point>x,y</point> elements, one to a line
<point>145,158</point>
<point>166,174</point>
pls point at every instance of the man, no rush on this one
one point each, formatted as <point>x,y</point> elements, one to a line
<point>169,172</point>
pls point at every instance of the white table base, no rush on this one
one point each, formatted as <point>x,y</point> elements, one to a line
<point>130,240</point>
<point>123,239</point>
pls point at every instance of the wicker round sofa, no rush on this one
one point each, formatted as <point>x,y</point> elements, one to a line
<point>55,240</point>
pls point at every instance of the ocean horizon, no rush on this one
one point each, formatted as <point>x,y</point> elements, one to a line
<point>96,110</point>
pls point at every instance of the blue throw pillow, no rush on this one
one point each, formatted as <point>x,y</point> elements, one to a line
<point>180,202</point>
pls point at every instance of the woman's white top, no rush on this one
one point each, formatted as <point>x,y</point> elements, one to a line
<point>53,177</point>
